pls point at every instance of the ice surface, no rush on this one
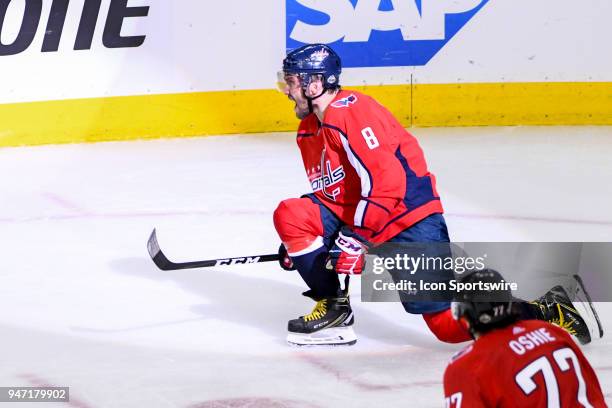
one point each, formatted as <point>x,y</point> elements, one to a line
<point>82,305</point>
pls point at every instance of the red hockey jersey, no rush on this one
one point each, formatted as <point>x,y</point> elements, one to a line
<point>366,168</point>
<point>528,364</point>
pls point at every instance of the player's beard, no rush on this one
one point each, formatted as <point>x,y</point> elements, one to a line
<point>301,110</point>
<point>301,107</point>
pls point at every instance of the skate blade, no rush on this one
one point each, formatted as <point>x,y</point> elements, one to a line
<point>583,304</point>
<point>334,336</point>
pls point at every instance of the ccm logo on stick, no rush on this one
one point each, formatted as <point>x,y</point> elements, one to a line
<point>235,261</point>
<point>31,19</point>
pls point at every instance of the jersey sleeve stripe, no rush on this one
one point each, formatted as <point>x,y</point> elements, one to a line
<point>362,171</point>
<point>378,205</point>
<point>316,244</point>
<point>360,211</point>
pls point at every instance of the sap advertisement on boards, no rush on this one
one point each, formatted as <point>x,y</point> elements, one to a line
<point>377,33</point>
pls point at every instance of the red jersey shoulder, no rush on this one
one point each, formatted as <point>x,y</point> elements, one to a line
<point>462,354</point>
<point>527,326</point>
<point>348,106</point>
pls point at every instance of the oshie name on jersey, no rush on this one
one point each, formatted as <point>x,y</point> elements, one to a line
<point>530,340</point>
<point>519,345</point>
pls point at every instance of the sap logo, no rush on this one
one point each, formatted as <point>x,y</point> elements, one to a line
<point>370,33</point>
<point>237,261</point>
<point>344,102</point>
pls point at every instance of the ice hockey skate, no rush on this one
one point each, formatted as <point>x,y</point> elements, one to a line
<point>579,319</point>
<point>583,304</point>
<point>330,323</point>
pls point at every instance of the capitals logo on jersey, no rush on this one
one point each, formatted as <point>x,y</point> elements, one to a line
<point>377,33</point>
<point>344,102</point>
<point>326,178</point>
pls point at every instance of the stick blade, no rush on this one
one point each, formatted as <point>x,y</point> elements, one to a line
<point>152,244</point>
<point>156,254</point>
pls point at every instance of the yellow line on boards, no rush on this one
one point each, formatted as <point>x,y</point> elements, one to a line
<point>254,111</point>
<point>507,104</point>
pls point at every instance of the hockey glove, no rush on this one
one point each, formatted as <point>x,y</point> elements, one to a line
<point>347,256</point>
<point>284,259</point>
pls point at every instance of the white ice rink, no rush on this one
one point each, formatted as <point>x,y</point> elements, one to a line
<point>82,305</point>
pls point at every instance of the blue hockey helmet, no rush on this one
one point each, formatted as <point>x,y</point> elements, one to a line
<point>314,59</point>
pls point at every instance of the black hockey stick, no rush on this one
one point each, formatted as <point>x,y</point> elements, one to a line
<point>165,264</point>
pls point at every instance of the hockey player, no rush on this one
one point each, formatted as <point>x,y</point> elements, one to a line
<point>513,362</point>
<point>370,185</point>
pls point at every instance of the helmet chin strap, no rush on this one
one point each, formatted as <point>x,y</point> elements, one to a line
<point>310,99</point>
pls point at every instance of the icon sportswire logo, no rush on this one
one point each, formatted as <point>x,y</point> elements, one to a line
<point>371,33</point>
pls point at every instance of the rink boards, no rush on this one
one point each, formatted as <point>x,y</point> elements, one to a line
<point>226,112</point>
<point>117,70</point>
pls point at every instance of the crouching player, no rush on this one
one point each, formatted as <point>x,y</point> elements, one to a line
<point>514,362</point>
<point>370,185</point>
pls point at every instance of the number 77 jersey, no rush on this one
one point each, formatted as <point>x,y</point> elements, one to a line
<point>527,364</point>
<point>366,168</point>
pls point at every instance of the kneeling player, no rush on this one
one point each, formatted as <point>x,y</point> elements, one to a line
<point>513,362</point>
<point>370,185</point>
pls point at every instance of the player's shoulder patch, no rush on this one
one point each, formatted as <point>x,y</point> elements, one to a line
<point>345,102</point>
<point>462,353</point>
